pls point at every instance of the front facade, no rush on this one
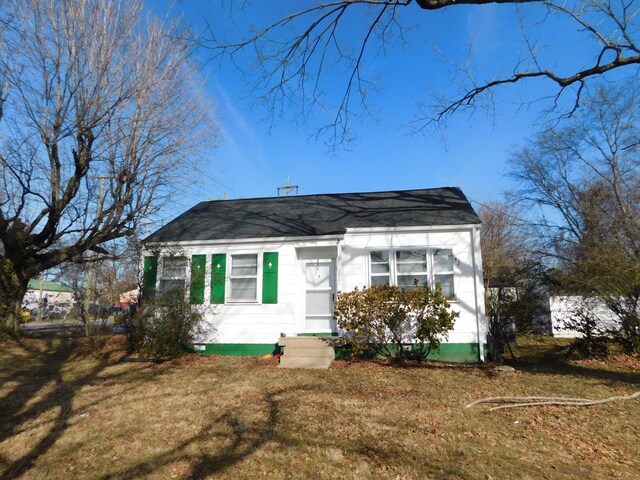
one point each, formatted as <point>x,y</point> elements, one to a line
<point>291,255</point>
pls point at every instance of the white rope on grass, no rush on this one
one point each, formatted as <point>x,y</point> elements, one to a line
<point>516,402</point>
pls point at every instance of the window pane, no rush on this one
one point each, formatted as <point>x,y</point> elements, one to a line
<point>168,285</point>
<point>447,291</point>
<point>442,260</point>
<point>446,282</point>
<point>244,264</point>
<point>318,303</point>
<point>244,271</point>
<point>317,275</point>
<point>380,280</point>
<point>406,281</point>
<point>412,267</point>
<point>245,260</point>
<point>379,268</point>
<point>381,256</point>
<point>243,289</point>
<point>411,255</point>
<point>174,267</point>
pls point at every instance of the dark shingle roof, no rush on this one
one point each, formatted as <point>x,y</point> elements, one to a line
<point>307,215</point>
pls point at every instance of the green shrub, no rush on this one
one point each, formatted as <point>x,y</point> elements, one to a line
<point>396,323</point>
<point>165,327</point>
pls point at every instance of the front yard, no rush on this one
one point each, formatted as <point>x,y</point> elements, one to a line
<point>64,414</point>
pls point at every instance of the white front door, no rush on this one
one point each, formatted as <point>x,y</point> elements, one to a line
<point>319,294</point>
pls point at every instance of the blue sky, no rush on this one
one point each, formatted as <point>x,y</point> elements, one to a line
<point>253,157</point>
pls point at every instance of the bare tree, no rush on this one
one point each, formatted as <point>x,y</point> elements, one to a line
<point>581,184</point>
<point>503,243</point>
<point>99,284</point>
<point>514,297</point>
<point>102,115</point>
<point>295,53</point>
<point>585,174</point>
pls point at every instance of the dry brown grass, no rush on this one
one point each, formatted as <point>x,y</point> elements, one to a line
<point>64,414</point>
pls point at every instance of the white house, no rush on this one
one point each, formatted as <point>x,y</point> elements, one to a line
<point>566,310</point>
<point>57,299</point>
<point>265,267</point>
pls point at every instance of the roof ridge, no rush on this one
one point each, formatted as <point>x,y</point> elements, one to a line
<point>327,194</point>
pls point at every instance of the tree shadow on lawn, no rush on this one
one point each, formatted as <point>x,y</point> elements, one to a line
<point>38,367</point>
<point>41,366</point>
<point>245,438</point>
<point>553,359</point>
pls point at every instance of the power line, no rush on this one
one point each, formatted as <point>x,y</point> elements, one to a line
<point>506,213</point>
<point>210,177</point>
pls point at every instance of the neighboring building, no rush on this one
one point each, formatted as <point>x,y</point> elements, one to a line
<point>127,299</point>
<point>57,299</point>
<point>265,267</point>
<point>567,311</point>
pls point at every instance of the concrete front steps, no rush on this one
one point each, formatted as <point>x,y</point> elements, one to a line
<point>306,352</point>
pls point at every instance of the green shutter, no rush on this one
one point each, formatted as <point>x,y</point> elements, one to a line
<point>198,266</point>
<point>149,275</point>
<point>218,273</point>
<point>270,277</point>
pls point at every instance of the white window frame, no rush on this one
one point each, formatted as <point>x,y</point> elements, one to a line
<point>393,265</point>
<point>396,273</point>
<point>451,272</point>
<point>183,276</point>
<point>231,277</point>
<point>387,274</point>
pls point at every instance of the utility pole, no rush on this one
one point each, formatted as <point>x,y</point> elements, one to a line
<point>91,277</point>
<point>40,300</point>
<point>288,188</point>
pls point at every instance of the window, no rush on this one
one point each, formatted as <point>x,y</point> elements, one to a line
<point>174,271</point>
<point>443,270</point>
<point>411,266</point>
<point>380,268</point>
<point>404,267</point>
<point>243,281</point>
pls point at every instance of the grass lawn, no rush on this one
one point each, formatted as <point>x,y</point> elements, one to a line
<point>64,414</point>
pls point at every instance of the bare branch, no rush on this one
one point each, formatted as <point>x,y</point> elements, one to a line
<point>104,119</point>
<point>294,52</point>
<point>438,4</point>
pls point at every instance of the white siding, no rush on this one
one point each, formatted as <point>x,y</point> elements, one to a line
<point>565,307</point>
<point>258,323</point>
<point>248,322</point>
<point>355,265</point>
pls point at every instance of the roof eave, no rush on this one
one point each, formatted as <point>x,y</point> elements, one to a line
<point>313,238</point>
<point>226,241</point>
<point>413,229</point>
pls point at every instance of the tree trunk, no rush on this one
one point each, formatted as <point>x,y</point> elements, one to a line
<point>15,316</point>
<point>13,287</point>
